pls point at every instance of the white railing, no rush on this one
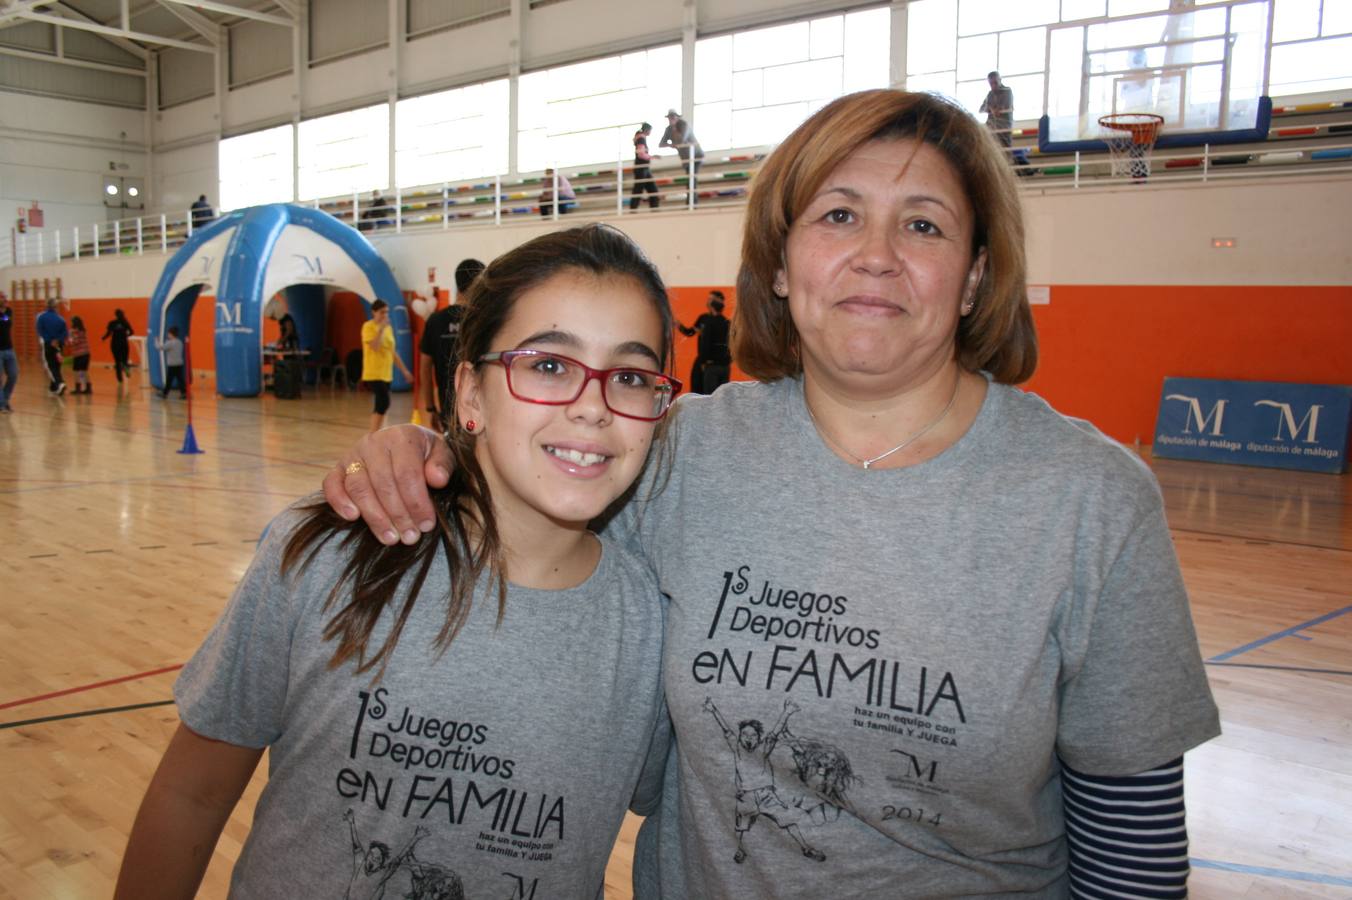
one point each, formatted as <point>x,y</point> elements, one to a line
<point>723,181</point>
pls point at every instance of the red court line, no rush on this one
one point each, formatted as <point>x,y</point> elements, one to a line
<point>90,687</point>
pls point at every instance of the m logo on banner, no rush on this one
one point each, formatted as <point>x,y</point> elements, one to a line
<point>1288,420</point>
<point>228,316</point>
<point>313,266</point>
<point>1195,414</point>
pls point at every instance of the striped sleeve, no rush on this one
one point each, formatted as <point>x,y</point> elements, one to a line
<point>1127,835</point>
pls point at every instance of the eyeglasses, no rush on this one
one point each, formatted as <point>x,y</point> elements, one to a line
<point>535,376</point>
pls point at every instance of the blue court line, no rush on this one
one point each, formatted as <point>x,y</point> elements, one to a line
<point>1288,874</point>
<point>1307,670</point>
<point>1229,654</point>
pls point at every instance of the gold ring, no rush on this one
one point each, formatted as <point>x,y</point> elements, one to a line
<point>353,468</point>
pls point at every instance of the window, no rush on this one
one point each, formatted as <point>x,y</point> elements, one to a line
<point>452,135</point>
<point>256,168</point>
<point>587,112</point>
<point>345,153</point>
<point>754,87</point>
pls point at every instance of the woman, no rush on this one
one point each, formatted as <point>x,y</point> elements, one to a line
<point>939,631</point>
<point>471,715</point>
<point>119,329</point>
<point>378,359</point>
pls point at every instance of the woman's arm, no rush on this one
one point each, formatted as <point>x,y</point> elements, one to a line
<point>189,800</point>
<point>401,462</point>
<point>1127,835</point>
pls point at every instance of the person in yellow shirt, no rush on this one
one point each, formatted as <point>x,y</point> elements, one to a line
<point>378,360</point>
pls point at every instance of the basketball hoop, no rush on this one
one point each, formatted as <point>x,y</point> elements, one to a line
<point>1131,140</point>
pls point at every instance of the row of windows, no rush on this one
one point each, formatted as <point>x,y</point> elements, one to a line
<point>753,87</point>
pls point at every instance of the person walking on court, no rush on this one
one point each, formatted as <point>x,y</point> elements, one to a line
<point>9,361</point>
<point>119,329</point>
<point>378,360</point>
<point>172,347</point>
<point>643,173</point>
<point>52,333</point>
<point>78,345</point>
<point>713,360</point>
<point>437,348</point>
<point>680,135</point>
<point>999,109</point>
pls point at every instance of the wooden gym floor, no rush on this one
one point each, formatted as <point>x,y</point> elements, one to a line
<point>119,553</point>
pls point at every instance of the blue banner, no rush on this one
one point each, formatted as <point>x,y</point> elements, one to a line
<point>1255,423</point>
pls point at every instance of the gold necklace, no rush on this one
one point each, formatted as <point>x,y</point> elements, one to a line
<point>866,463</point>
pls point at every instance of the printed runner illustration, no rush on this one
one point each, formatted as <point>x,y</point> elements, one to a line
<point>818,796</point>
<point>373,867</point>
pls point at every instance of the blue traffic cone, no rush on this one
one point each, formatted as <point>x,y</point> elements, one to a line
<point>190,442</point>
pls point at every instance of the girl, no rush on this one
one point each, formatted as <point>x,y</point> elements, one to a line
<point>78,347</point>
<point>119,329</point>
<point>469,715</point>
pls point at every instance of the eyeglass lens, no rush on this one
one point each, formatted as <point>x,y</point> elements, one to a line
<point>556,379</point>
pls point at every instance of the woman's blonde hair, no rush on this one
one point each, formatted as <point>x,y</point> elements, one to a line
<point>998,335</point>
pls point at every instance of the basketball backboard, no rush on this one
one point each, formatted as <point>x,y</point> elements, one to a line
<point>1201,69</point>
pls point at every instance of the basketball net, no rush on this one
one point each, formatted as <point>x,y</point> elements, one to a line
<point>1131,142</point>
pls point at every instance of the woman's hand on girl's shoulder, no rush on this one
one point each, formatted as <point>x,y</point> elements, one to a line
<point>384,480</point>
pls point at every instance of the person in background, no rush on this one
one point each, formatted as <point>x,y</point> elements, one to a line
<point>119,330</point>
<point>643,173</point>
<point>77,345</point>
<point>9,361</point>
<point>202,213</point>
<point>52,334</point>
<point>437,348</point>
<point>972,600</point>
<point>287,338</point>
<point>378,359</point>
<point>567,197</point>
<point>378,214</point>
<point>713,359</point>
<point>171,345</point>
<point>499,682</point>
<point>999,109</point>
<point>680,135</point>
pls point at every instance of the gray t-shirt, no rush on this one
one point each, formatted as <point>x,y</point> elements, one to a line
<point>871,674</point>
<point>504,765</point>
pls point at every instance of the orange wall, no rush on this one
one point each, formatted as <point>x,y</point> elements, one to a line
<point>1105,350</point>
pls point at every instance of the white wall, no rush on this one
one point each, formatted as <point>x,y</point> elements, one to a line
<point>1288,232</point>
<point>57,152</point>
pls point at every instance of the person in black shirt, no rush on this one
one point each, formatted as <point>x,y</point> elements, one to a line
<point>202,213</point>
<point>437,349</point>
<point>643,174</point>
<point>9,362</point>
<point>119,329</point>
<point>713,360</point>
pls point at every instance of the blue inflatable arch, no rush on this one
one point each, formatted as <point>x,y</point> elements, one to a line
<point>246,257</point>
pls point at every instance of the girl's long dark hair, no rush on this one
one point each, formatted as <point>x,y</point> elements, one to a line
<point>466,530</point>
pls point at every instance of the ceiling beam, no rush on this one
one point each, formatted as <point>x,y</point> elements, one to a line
<point>290,7</point>
<point>227,9</point>
<point>117,32</point>
<point>16,10</point>
<point>68,61</point>
<point>121,43</point>
<point>199,23</point>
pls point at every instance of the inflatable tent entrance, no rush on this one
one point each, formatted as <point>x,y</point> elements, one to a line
<point>246,257</point>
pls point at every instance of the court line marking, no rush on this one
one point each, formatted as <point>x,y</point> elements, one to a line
<point>90,687</point>
<point>1288,874</point>
<point>87,712</point>
<point>1254,645</point>
<point>1218,537</point>
<point>1235,665</point>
